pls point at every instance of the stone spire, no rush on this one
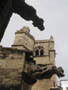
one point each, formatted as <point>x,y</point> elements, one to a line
<point>51,38</point>
<point>51,43</point>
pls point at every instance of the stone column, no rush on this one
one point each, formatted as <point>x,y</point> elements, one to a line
<point>26,86</point>
<point>42,85</point>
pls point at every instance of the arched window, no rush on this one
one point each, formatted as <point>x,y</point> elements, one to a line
<point>41,52</point>
<point>37,53</point>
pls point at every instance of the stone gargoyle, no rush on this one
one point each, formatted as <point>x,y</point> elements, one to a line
<point>33,72</point>
<point>27,12</point>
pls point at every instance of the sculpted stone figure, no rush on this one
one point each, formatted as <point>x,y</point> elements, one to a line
<point>33,72</point>
<point>7,7</point>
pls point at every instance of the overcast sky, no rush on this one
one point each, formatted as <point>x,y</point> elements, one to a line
<point>64,85</point>
<point>55,15</point>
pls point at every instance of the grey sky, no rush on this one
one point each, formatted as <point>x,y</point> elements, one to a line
<point>55,15</point>
<point>64,84</point>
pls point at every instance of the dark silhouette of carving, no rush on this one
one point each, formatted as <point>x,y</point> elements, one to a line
<point>7,7</point>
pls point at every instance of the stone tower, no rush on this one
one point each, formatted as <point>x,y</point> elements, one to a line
<point>24,40</point>
<point>44,53</point>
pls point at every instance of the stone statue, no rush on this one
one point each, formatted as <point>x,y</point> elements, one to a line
<point>7,7</point>
<point>33,72</point>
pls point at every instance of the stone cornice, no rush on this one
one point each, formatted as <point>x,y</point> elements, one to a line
<point>13,50</point>
<point>42,41</point>
<point>26,49</point>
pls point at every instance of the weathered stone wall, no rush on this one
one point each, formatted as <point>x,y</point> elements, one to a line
<point>42,60</point>
<point>11,66</point>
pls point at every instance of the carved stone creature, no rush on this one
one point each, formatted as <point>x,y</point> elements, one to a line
<point>7,7</point>
<point>33,72</point>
